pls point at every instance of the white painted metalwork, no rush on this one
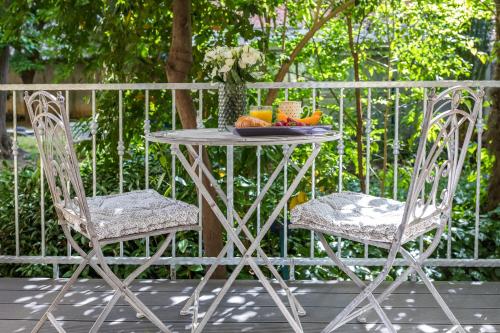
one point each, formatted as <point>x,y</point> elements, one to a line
<point>120,148</point>
<point>446,131</point>
<point>479,129</point>
<point>284,246</point>
<point>189,137</point>
<point>93,132</point>
<point>368,149</point>
<point>93,89</point>
<point>230,193</point>
<point>50,123</point>
<point>313,179</point>
<point>421,238</point>
<point>258,85</point>
<point>42,210</point>
<point>259,156</point>
<point>147,130</point>
<point>173,182</point>
<point>15,154</point>
<point>395,146</point>
<point>199,124</point>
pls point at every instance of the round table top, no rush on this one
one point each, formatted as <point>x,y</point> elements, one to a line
<point>212,137</point>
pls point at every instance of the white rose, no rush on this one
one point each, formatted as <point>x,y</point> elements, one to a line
<point>224,69</point>
<point>229,62</point>
<point>251,59</point>
<point>214,72</point>
<point>242,63</point>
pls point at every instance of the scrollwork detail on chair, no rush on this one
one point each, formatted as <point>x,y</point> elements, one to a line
<point>47,114</point>
<point>451,117</point>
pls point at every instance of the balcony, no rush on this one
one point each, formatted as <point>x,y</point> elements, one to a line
<point>299,256</point>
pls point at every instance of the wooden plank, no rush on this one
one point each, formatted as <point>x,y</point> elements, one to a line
<point>248,297</point>
<point>247,308</point>
<point>24,326</point>
<point>406,315</point>
<point>187,286</point>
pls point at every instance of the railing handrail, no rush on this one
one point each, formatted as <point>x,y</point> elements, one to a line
<point>257,85</point>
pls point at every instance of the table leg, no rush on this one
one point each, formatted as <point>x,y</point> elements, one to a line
<point>247,253</point>
<point>230,193</point>
<point>241,226</point>
<point>248,260</point>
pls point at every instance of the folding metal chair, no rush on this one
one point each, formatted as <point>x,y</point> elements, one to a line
<point>447,128</point>
<point>102,219</point>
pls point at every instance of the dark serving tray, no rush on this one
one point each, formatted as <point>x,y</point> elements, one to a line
<point>283,130</point>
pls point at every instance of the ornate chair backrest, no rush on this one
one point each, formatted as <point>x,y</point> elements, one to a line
<point>446,132</point>
<point>51,126</point>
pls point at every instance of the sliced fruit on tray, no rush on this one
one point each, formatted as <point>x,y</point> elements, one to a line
<point>307,121</point>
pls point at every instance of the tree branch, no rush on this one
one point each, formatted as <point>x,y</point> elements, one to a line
<point>285,67</point>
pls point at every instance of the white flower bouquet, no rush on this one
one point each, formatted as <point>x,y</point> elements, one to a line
<point>233,64</point>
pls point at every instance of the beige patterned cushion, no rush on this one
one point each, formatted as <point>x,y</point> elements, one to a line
<point>136,212</point>
<point>360,216</point>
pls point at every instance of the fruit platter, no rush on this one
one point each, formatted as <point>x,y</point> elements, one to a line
<point>284,125</point>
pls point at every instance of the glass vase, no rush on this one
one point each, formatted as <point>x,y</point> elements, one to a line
<point>232,104</point>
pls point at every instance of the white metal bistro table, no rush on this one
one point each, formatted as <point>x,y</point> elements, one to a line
<point>192,138</point>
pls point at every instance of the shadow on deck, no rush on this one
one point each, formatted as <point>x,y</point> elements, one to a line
<point>247,308</point>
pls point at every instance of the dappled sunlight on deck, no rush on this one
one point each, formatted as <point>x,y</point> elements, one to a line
<point>247,308</point>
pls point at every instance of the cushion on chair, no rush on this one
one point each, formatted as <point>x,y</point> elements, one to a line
<point>136,212</point>
<point>361,216</point>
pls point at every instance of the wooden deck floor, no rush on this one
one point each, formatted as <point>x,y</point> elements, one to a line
<point>247,308</point>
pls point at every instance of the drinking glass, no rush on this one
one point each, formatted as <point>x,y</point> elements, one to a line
<point>263,112</point>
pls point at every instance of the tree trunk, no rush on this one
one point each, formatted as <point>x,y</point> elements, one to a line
<point>180,60</point>
<point>359,109</point>
<point>317,25</point>
<point>5,142</point>
<point>493,134</point>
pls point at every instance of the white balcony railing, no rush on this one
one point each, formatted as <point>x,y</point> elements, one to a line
<point>341,88</point>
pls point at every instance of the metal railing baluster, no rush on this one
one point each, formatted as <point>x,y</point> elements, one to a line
<point>147,130</point>
<point>313,179</point>
<point>15,153</point>
<point>42,211</point>
<point>93,132</point>
<point>173,272</point>
<point>199,124</point>
<point>340,145</point>
<point>421,238</point>
<point>368,149</point>
<point>120,148</point>
<point>479,128</point>
<point>285,208</point>
<point>340,151</point>
<point>395,146</point>
<point>69,251</point>
<point>259,155</point>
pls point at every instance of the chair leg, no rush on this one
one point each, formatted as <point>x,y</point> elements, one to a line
<point>359,283</point>
<point>433,291</point>
<point>82,253</point>
<point>400,279</point>
<point>382,297</point>
<point>121,286</point>
<point>61,294</point>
